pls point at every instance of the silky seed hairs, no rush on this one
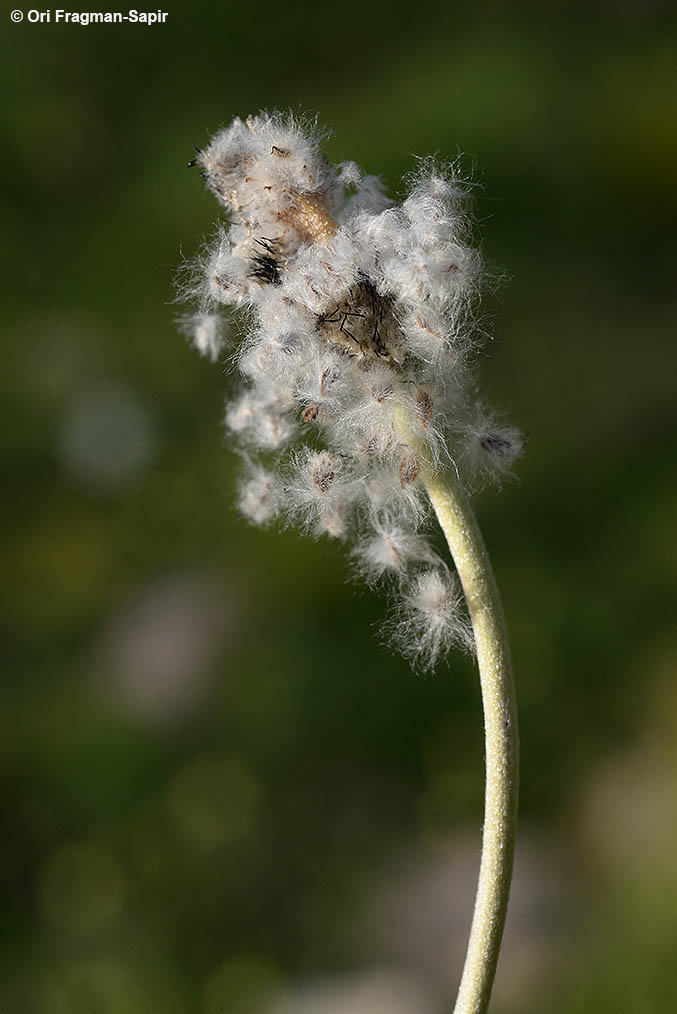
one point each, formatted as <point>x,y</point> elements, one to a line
<point>359,337</point>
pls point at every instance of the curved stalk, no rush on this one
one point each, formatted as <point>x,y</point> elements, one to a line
<point>466,545</point>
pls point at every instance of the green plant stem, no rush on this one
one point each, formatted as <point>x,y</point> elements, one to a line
<point>460,528</point>
<point>467,548</point>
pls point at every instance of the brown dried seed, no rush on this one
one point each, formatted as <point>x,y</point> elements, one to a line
<point>381,393</point>
<point>410,466</point>
<point>310,413</point>
<point>424,406</point>
<point>370,445</point>
<point>327,378</point>
<point>323,476</point>
<point>429,330</point>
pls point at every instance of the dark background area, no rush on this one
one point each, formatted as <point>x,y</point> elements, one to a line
<point>219,793</point>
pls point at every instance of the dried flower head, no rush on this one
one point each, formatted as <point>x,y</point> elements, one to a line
<point>357,311</point>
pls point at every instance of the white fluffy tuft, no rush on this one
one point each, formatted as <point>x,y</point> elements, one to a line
<point>355,312</point>
<point>430,620</point>
<point>259,495</point>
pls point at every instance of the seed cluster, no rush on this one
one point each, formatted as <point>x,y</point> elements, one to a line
<point>358,312</point>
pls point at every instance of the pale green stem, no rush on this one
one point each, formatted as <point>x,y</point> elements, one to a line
<point>464,538</point>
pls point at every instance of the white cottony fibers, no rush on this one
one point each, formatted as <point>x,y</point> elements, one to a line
<point>491,446</point>
<point>431,619</point>
<point>320,492</point>
<point>357,312</point>
<point>390,549</point>
<point>259,495</point>
<point>206,333</point>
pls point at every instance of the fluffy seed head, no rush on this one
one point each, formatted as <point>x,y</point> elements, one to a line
<point>355,311</point>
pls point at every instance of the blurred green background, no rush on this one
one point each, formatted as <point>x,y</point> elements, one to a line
<point>219,794</point>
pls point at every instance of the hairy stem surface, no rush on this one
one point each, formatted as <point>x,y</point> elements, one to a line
<point>459,525</point>
<point>463,536</point>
